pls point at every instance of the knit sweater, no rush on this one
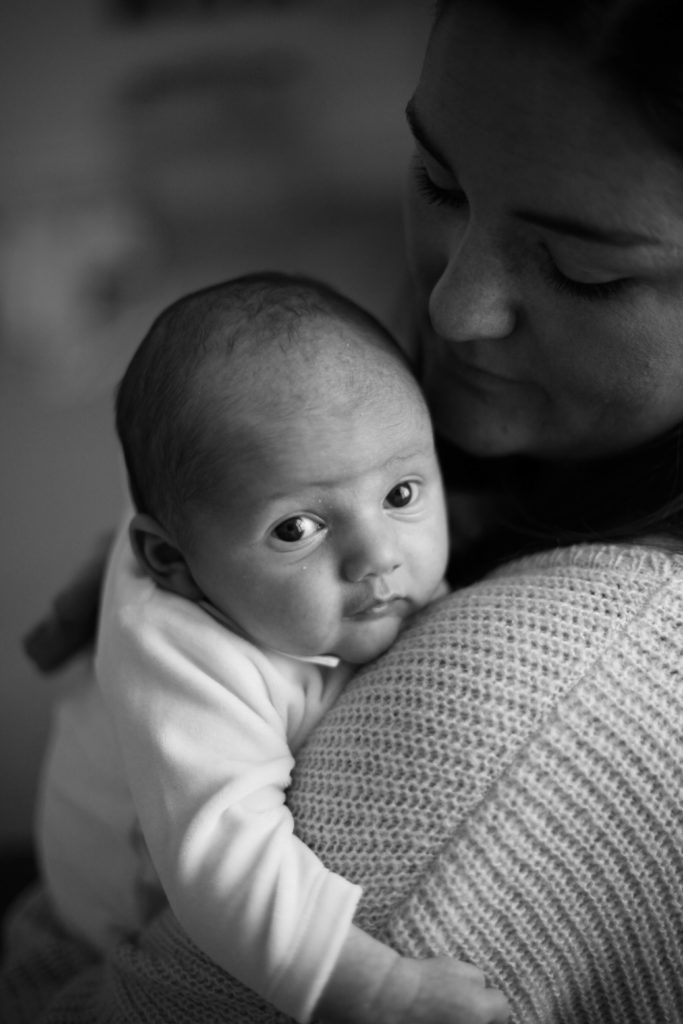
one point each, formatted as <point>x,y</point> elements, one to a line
<point>507,786</point>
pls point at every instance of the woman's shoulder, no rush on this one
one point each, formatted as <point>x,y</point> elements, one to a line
<point>572,643</point>
<point>533,628</point>
<point>569,605</point>
<point>657,558</point>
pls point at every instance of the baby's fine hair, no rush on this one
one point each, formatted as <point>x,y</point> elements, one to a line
<point>161,401</point>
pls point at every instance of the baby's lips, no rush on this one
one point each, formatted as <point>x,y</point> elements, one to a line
<point>371,602</point>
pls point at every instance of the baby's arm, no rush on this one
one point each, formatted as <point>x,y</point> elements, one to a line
<point>372,983</point>
<point>200,720</point>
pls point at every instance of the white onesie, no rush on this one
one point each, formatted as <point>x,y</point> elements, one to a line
<point>188,742</point>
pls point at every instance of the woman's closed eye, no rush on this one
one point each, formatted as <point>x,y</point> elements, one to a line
<point>436,193</point>
<point>591,290</point>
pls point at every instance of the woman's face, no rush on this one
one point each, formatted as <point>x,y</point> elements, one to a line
<point>545,233</point>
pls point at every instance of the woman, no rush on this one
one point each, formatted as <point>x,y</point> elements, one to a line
<point>506,783</point>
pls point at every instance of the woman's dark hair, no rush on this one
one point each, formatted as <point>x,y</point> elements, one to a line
<point>638,46</point>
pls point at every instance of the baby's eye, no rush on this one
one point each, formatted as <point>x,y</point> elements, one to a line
<point>401,495</point>
<point>296,528</point>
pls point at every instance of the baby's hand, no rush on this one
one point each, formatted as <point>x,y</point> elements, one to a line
<point>438,991</point>
<point>372,984</point>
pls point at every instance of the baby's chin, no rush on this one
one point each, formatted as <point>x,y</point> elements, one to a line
<point>368,641</point>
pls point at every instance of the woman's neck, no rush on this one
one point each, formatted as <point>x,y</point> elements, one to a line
<point>519,505</point>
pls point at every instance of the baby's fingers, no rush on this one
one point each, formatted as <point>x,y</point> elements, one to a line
<point>495,1008</point>
<point>453,992</point>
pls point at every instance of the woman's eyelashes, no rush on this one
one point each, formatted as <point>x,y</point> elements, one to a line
<point>591,290</point>
<point>436,195</point>
<point>454,197</point>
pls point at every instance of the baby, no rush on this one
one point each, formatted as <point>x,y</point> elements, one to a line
<point>289,517</point>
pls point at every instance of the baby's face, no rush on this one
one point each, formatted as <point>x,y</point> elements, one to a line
<point>329,527</point>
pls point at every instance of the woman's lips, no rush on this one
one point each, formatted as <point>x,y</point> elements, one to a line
<point>469,373</point>
<point>443,359</point>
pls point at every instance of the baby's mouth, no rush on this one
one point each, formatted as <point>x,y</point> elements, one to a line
<point>377,604</point>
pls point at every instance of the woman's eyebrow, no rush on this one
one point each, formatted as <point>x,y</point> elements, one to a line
<point>574,227</point>
<point>421,135</point>
<point>586,231</point>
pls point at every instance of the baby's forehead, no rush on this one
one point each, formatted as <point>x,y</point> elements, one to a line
<point>313,451</point>
<point>330,372</point>
<point>323,351</point>
<point>273,387</point>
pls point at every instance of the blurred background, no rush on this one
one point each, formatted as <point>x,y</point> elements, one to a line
<point>150,147</point>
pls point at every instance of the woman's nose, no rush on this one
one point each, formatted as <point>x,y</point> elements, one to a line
<point>473,298</point>
<point>371,552</point>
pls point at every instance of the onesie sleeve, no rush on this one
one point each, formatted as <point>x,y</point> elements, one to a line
<point>206,754</point>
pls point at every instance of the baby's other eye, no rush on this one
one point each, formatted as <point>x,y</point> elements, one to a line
<point>297,528</point>
<point>401,495</point>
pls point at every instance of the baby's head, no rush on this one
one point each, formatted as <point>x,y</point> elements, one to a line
<point>281,460</point>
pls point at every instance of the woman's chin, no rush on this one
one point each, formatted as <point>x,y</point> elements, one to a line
<point>487,440</point>
<point>487,423</point>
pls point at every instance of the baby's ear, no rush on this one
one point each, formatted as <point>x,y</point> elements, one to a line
<point>161,558</point>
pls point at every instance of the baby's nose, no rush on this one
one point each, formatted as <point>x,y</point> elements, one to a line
<point>373,553</point>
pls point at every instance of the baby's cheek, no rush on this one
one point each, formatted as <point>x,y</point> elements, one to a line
<point>307,611</point>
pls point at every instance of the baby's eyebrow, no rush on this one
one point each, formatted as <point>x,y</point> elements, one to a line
<point>419,452</point>
<point>420,134</point>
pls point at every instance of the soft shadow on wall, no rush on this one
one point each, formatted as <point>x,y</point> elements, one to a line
<point>154,147</point>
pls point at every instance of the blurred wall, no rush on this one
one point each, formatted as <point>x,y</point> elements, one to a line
<point>141,158</point>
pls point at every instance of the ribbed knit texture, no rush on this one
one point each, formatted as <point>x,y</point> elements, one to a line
<point>506,784</point>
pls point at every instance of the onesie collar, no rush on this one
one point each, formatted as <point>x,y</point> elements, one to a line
<point>325,660</point>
